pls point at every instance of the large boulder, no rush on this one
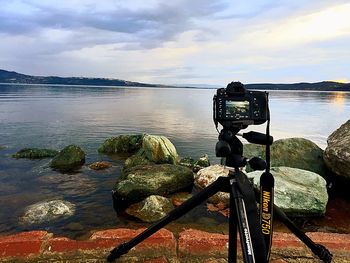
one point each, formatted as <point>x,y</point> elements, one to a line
<point>35,153</point>
<point>70,158</point>
<point>122,144</point>
<point>297,192</point>
<point>292,152</point>
<point>159,149</point>
<point>47,211</point>
<point>140,182</point>
<point>337,153</point>
<point>152,209</point>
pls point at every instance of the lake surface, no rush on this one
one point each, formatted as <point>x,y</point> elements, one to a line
<point>56,116</point>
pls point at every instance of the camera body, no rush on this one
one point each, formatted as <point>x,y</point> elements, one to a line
<point>236,107</point>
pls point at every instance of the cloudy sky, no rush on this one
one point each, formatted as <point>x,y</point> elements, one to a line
<point>178,41</point>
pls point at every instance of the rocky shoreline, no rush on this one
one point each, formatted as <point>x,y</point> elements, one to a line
<point>154,172</point>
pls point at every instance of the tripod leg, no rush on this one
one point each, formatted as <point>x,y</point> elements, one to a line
<point>232,249</point>
<point>243,226</point>
<point>173,215</point>
<point>319,250</point>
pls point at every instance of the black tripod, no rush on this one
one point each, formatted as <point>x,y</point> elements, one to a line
<point>243,210</point>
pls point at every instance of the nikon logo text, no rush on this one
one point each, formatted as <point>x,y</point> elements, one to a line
<point>266,214</point>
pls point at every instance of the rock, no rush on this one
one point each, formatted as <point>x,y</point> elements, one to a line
<point>337,153</point>
<point>47,211</point>
<point>159,149</point>
<point>293,152</point>
<point>122,144</point>
<point>202,162</point>
<point>140,182</point>
<point>69,159</point>
<point>100,165</point>
<point>35,153</point>
<point>187,162</point>
<point>154,150</point>
<point>2,147</point>
<point>135,160</point>
<point>297,192</point>
<point>207,176</point>
<point>152,209</point>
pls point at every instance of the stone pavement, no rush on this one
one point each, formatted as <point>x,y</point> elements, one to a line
<point>163,247</point>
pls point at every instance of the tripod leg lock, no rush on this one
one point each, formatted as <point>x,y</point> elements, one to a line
<point>117,252</point>
<point>323,253</point>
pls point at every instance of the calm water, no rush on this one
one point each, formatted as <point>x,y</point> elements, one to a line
<point>56,116</point>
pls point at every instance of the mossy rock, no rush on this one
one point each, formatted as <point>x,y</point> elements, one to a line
<point>137,159</point>
<point>140,182</point>
<point>121,144</point>
<point>70,158</point>
<point>35,153</point>
<point>292,152</point>
<point>195,165</point>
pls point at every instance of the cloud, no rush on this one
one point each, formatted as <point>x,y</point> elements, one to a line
<point>148,27</point>
<point>199,41</point>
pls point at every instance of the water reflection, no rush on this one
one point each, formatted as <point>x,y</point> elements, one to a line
<point>339,98</point>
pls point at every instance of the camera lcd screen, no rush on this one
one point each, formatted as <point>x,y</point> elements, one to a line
<point>237,109</point>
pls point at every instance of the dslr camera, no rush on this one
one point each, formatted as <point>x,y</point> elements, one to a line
<point>234,107</point>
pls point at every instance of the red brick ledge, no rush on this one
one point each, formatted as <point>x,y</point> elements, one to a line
<point>158,247</point>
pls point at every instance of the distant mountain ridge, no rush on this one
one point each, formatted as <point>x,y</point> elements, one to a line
<point>12,77</point>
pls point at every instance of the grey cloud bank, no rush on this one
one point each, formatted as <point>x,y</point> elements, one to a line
<point>178,41</point>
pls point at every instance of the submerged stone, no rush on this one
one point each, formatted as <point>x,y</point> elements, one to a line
<point>35,153</point>
<point>70,158</point>
<point>47,211</point>
<point>152,209</point>
<point>100,165</point>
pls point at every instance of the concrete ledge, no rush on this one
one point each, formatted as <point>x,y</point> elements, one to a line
<point>191,246</point>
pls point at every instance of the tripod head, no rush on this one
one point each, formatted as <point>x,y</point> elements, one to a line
<point>230,147</point>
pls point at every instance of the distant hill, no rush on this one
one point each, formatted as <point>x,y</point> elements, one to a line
<point>318,86</point>
<point>14,77</point>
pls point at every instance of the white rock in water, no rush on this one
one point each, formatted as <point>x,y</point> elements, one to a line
<point>47,211</point>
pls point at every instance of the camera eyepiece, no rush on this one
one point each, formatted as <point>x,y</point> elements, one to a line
<point>235,87</point>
